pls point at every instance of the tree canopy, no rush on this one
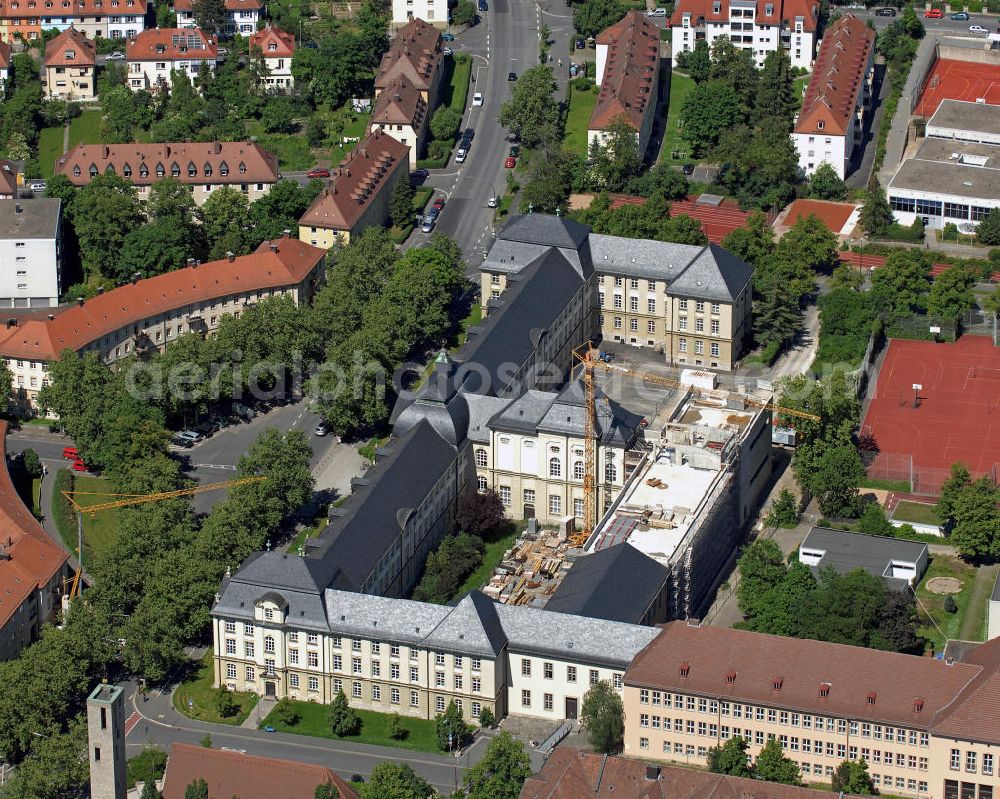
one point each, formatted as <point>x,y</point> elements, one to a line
<point>602,715</point>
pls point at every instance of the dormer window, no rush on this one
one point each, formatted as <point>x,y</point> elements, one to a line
<point>70,54</point>
<point>685,669</point>
<point>223,169</point>
<point>93,171</point>
<point>769,9</point>
<point>731,676</point>
<point>76,171</point>
<point>192,169</point>
<point>143,171</point>
<point>127,171</point>
<point>109,169</point>
<point>208,170</point>
<point>272,46</point>
<point>160,171</point>
<point>824,690</point>
<point>918,705</point>
<point>777,682</point>
<point>716,7</point>
<point>871,697</point>
<point>820,125</point>
<point>243,168</point>
<point>175,170</point>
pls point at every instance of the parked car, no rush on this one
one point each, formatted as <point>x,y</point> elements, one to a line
<point>688,169</point>
<point>244,412</point>
<point>657,12</point>
<point>511,77</point>
<point>477,100</point>
<point>428,224</point>
<point>933,13</point>
<point>580,44</point>
<point>433,212</point>
<point>80,466</point>
<point>439,203</point>
<point>447,51</point>
<point>483,5</point>
<point>177,441</point>
<point>460,155</point>
<point>419,173</point>
<point>318,172</point>
<point>960,16</point>
<point>70,453</point>
<point>885,12</point>
<point>491,202</point>
<point>514,151</point>
<point>222,51</point>
<point>447,37</point>
<point>978,29</point>
<point>117,55</point>
<point>321,429</point>
<point>510,163</point>
<point>190,435</point>
<point>573,69</point>
<point>37,186</point>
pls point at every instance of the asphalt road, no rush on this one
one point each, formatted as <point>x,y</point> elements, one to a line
<point>943,26</point>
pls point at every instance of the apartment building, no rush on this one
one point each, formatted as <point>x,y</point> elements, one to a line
<point>359,192</point>
<point>693,303</point>
<point>4,65</point>
<point>830,125</point>
<point>760,26</point>
<point>203,166</point>
<point>277,634</point>
<point>416,54</point>
<point>401,111</point>
<point>925,727</point>
<point>109,19</point>
<point>30,253</point>
<point>242,16</point>
<point>32,567</point>
<point>628,71</point>
<point>154,54</point>
<point>434,12</point>
<point>70,67</point>
<point>274,49</point>
<point>148,314</point>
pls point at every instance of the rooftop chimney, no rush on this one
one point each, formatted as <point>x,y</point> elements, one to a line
<point>286,234</point>
<point>79,301</point>
<point>52,316</point>
<point>273,246</point>
<point>191,263</point>
<point>11,322</point>
<point>652,772</point>
<point>230,256</point>
<point>100,289</point>
<point>136,277</point>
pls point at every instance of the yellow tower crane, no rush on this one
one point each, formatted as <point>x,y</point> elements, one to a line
<point>128,500</point>
<point>588,356</point>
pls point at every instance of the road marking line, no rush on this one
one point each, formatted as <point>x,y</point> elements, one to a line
<point>215,466</point>
<point>132,721</point>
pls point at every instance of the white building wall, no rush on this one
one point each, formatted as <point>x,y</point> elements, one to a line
<point>29,273</point>
<point>993,620</point>
<point>602,59</point>
<point>815,149</point>
<point>766,38</point>
<point>436,13</point>
<point>280,73</point>
<point>934,220</point>
<point>147,74</point>
<point>541,686</point>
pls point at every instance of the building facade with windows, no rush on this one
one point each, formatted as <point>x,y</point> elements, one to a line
<point>242,16</point>
<point>829,127</point>
<point>153,54</point>
<point>148,315</point>
<point>925,727</point>
<point>31,250</point>
<point>401,111</point>
<point>416,54</point>
<point>203,166</point>
<point>70,66</point>
<point>760,26</point>
<point>109,19</point>
<point>274,49</point>
<point>277,636</point>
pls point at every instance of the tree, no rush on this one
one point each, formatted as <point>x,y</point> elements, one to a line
<point>873,521</point>
<point>852,777</point>
<point>901,285</point>
<point>662,180</point>
<point>451,729</point>
<point>617,159</point>
<point>392,780</point>
<point>401,203</point>
<point>445,122</point>
<point>210,15</point>
<point>149,790</point>
<point>153,249</point>
<point>549,178</point>
<point>396,729</point>
<point>876,215</point>
<point>810,242</point>
<point>592,16</point>
<point>196,789</point>
<point>343,720</point>
<point>326,790</point>
<point>486,718</point>
<point>896,624</point>
<point>448,566</point>
<point>464,13</point>
<point>603,717</point>
<point>976,532</point>
<point>825,184</point>
<point>730,758</point>
<point>479,512</point>
<point>735,66</point>
<point>760,166</point>
<point>831,470</point>
<point>502,770</point>
<point>532,112</point>
<point>285,713</point>
<point>225,223</point>
<point>278,115</point>
<point>988,231</point>
<point>225,705</point>
<point>775,97</point>
<point>752,242</point>
<point>951,293</point>
<point>773,766</point>
<point>784,510</point>
<point>777,317</point>
<point>950,605</point>
<point>699,62</point>
<point>951,489</point>
<point>32,463</point>
<point>103,213</point>
<point>711,108</point>
<point>762,566</point>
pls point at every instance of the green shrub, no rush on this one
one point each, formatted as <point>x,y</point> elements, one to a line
<point>284,713</point>
<point>949,232</point>
<point>439,150</point>
<point>225,705</point>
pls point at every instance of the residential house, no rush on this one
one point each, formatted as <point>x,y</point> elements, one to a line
<point>108,19</point>
<point>274,48</point>
<point>70,65</point>
<point>154,54</point>
<point>401,111</point>
<point>760,26</point>
<point>11,178</point>
<point>31,250</point>
<point>830,125</point>
<point>925,727</point>
<point>358,193</point>
<point>242,16</point>
<point>414,53</point>
<point>628,70</point>
<point>203,166</point>
<point>4,65</point>
<point>406,11</point>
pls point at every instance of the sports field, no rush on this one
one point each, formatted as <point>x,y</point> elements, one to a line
<point>958,80</point>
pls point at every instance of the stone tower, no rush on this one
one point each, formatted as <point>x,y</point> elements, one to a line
<point>106,735</point>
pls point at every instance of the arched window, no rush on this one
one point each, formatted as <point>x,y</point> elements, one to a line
<point>143,170</point>
<point>480,457</point>
<point>610,472</point>
<point>481,483</point>
<point>160,171</point>
<point>555,467</point>
<point>192,169</point>
<point>578,470</point>
<point>175,170</point>
<point>208,170</point>
<point>268,643</point>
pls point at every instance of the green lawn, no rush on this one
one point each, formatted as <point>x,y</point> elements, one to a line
<point>581,106</point>
<point>195,697</point>
<point>491,559</point>
<point>99,529</point>
<point>456,89</point>
<point>680,88</point>
<point>374,728</point>
<point>946,625</point>
<point>916,512</point>
<point>50,147</point>
<point>473,318</point>
<point>292,150</point>
<point>799,87</point>
<point>887,485</point>
<point>85,129</point>
<point>974,624</point>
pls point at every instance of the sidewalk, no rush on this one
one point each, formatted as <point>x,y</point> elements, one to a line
<point>896,141</point>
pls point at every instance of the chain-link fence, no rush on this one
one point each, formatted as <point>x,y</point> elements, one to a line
<point>923,480</point>
<point>923,328</point>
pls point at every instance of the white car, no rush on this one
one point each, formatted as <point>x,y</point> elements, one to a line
<point>117,55</point>
<point>492,202</point>
<point>477,100</point>
<point>657,12</point>
<point>321,429</point>
<point>977,29</point>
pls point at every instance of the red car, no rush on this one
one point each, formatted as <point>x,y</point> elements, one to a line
<point>318,172</point>
<point>70,453</point>
<point>511,162</point>
<point>933,13</point>
<point>439,203</point>
<point>80,466</point>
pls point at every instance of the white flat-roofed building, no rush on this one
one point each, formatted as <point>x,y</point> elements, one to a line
<point>966,122</point>
<point>30,253</point>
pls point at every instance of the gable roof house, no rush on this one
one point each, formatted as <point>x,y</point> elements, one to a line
<point>70,67</point>
<point>275,48</point>
<point>414,53</point>
<point>401,111</point>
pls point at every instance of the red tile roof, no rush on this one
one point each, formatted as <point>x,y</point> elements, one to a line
<point>838,77</point>
<point>70,41</point>
<point>355,184</point>
<point>172,44</point>
<point>231,5</point>
<point>273,43</point>
<point>572,773</point>
<point>246,162</point>
<point>781,11</point>
<point>627,85</point>
<point>68,8</point>
<point>833,215</point>
<point>414,53</point>
<point>868,261</point>
<point>8,177</point>
<point>30,557</point>
<point>788,672</point>
<point>4,54</point>
<point>246,776</point>
<point>399,103</point>
<point>78,326</point>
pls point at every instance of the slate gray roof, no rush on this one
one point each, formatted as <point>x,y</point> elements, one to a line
<point>471,627</point>
<point>965,116</point>
<point>846,551</point>
<point>552,231</point>
<point>567,416</point>
<point>524,413</point>
<point>715,274</point>
<point>645,258</point>
<point>617,584</point>
<point>482,409</point>
<point>512,256</point>
<point>38,219</point>
<point>539,632</point>
<point>436,402</point>
<point>240,593</point>
<point>370,616</point>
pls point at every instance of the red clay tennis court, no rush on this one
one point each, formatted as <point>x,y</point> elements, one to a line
<point>958,80</point>
<point>957,415</point>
